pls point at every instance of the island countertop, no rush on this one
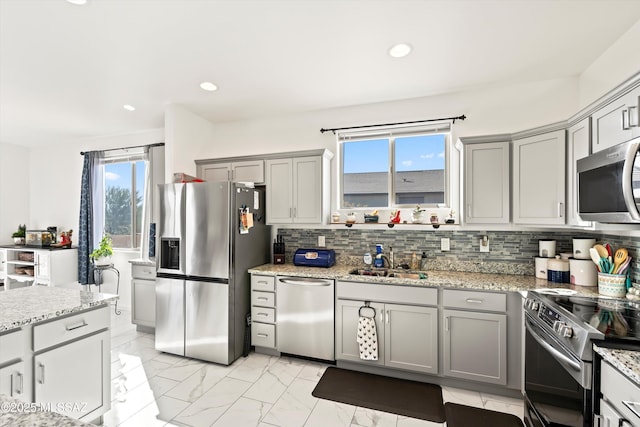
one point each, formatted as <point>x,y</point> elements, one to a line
<point>33,304</point>
<point>435,278</point>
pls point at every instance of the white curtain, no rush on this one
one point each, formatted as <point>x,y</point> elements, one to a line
<point>147,205</point>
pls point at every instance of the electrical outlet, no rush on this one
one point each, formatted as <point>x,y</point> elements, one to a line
<point>321,241</point>
<point>484,244</point>
<point>444,244</point>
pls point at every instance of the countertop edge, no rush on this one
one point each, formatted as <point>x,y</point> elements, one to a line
<point>626,361</point>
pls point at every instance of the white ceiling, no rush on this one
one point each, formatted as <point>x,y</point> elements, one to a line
<point>66,70</point>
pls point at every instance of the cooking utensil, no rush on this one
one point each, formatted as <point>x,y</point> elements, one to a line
<point>609,250</point>
<point>595,257</point>
<point>619,259</point>
<point>623,266</point>
<point>602,251</point>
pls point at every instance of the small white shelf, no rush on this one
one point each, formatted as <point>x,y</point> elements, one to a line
<point>15,262</point>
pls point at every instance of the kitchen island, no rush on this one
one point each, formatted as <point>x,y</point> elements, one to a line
<point>54,352</point>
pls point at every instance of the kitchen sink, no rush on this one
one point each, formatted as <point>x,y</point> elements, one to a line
<point>403,275</point>
<point>389,273</point>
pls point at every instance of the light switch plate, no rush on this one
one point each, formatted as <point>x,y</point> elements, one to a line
<point>444,244</point>
<point>321,241</point>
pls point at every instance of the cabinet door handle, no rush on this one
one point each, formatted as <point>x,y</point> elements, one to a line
<point>262,314</point>
<point>82,324</point>
<point>20,388</point>
<point>41,366</point>
<point>388,316</point>
<point>625,119</point>
<point>446,324</point>
<point>262,298</point>
<point>263,335</point>
<point>474,301</point>
<point>631,116</point>
<point>560,209</point>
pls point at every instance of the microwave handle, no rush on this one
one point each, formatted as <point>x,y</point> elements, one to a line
<point>627,176</point>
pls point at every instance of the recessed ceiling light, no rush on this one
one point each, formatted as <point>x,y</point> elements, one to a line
<point>128,107</point>
<point>400,50</point>
<point>208,86</point>
<point>77,1</point>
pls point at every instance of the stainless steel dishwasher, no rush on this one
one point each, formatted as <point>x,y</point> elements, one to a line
<point>305,317</point>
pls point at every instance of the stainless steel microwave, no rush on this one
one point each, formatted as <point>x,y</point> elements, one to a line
<point>609,184</point>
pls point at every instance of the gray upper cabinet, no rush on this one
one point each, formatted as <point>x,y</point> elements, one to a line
<point>539,179</point>
<point>578,143</point>
<point>298,189</point>
<point>239,171</point>
<point>616,122</point>
<point>486,183</point>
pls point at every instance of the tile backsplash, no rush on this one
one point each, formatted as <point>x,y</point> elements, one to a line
<point>510,252</point>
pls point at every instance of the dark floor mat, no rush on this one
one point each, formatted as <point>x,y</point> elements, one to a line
<point>410,398</point>
<point>468,416</point>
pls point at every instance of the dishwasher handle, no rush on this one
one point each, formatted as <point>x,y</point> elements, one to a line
<point>305,281</point>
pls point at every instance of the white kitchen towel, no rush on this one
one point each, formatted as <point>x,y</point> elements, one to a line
<point>367,338</point>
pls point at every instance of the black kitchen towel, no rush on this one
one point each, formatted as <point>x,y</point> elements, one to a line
<point>468,416</point>
<point>403,397</point>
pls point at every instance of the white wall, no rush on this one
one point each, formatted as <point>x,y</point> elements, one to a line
<point>54,193</point>
<point>14,190</point>
<point>490,110</point>
<point>613,67</point>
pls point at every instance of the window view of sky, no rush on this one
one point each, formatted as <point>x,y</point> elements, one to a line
<point>414,153</point>
<point>119,175</point>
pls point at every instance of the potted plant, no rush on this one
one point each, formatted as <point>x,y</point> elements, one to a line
<point>102,254</point>
<point>416,215</point>
<point>18,236</point>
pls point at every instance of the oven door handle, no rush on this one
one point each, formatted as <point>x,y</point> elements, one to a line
<point>557,354</point>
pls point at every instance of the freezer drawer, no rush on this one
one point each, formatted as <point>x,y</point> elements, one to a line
<point>207,322</point>
<point>170,315</point>
<point>305,319</point>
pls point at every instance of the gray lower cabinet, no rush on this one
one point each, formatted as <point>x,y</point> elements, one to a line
<point>143,296</point>
<point>263,311</point>
<point>12,380</point>
<point>407,335</point>
<point>475,346</point>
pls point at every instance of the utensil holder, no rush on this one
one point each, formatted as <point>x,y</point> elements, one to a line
<point>612,285</point>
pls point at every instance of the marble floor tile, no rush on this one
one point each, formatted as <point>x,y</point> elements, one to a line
<point>364,417</point>
<point>244,412</point>
<point>294,406</point>
<point>193,387</point>
<point>329,413</point>
<point>151,388</point>
<point>212,404</point>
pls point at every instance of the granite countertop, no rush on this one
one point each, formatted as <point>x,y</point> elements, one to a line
<point>37,303</point>
<point>435,278</point>
<point>17,413</point>
<point>626,361</point>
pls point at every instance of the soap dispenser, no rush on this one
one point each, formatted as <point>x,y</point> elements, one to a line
<point>415,262</point>
<point>423,261</point>
<point>378,262</point>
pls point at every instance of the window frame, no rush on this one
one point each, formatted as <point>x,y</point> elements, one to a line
<point>131,160</point>
<point>391,134</point>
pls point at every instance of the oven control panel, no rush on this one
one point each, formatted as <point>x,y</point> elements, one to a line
<point>548,315</point>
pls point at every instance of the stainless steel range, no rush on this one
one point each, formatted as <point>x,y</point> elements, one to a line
<point>558,356</point>
<point>560,329</point>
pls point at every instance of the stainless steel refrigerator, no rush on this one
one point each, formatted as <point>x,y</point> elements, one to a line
<point>206,245</point>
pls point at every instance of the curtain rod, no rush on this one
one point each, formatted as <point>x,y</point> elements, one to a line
<point>462,117</point>
<point>157,144</point>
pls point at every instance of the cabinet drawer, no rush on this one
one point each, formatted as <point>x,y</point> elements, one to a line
<point>616,388</point>
<point>263,299</point>
<point>12,346</point>
<point>486,301</point>
<point>263,335</point>
<point>263,314</point>
<point>60,330</point>
<point>263,283</point>
<point>143,272</point>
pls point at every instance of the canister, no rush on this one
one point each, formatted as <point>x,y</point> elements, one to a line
<point>581,248</point>
<point>583,272</point>
<point>558,270</point>
<point>547,248</point>
<point>541,267</point>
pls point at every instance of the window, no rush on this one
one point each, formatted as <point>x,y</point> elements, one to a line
<point>395,170</point>
<point>124,183</point>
